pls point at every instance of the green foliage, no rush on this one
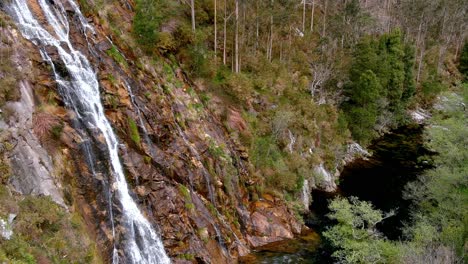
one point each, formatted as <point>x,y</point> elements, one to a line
<point>409,82</point>
<point>355,237</point>
<point>185,192</point>
<point>441,194</point>
<point>42,232</point>
<point>381,80</point>
<point>218,151</point>
<point>265,153</point>
<point>430,88</point>
<point>10,76</point>
<point>362,110</point>
<point>463,65</point>
<point>133,130</point>
<point>186,256</point>
<point>117,56</point>
<point>440,215</point>
<point>56,131</point>
<point>149,16</point>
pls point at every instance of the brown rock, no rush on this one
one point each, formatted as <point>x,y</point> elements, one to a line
<point>142,190</point>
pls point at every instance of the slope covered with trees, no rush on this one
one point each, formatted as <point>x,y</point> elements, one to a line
<point>306,72</point>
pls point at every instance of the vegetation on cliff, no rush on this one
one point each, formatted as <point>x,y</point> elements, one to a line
<point>43,232</point>
<point>310,76</point>
<point>438,228</point>
<point>292,83</point>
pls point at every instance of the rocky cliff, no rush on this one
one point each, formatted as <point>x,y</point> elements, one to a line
<point>190,176</point>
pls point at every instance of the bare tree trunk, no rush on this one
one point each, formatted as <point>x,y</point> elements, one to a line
<point>271,40</point>
<point>281,51</point>
<point>421,57</point>
<point>215,32</point>
<point>271,34</point>
<point>257,30</point>
<point>441,45</point>
<point>236,41</point>
<point>192,6</point>
<point>224,35</point>
<point>303,15</point>
<point>324,18</point>
<point>312,16</point>
<point>418,39</point>
<point>458,46</point>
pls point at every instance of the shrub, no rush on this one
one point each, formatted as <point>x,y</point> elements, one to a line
<point>43,232</point>
<point>117,56</point>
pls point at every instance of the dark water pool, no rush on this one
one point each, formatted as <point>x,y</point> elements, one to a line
<point>398,157</point>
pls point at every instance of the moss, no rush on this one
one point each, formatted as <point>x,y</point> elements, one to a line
<point>212,209</point>
<point>189,206</point>
<point>186,256</point>
<point>185,192</point>
<point>205,98</point>
<point>112,79</point>
<point>147,159</point>
<point>134,134</point>
<point>56,131</point>
<point>117,56</point>
<point>218,151</point>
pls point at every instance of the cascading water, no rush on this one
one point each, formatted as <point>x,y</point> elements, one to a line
<point>139,242</point>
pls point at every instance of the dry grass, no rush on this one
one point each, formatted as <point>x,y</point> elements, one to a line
<point>43,123</point>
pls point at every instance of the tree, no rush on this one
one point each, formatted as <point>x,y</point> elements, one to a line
<point>236,50</point>
<point>355,237</point>
<point>215,42</point>
<point>192,12</point>
<point>409,82</point>
<point>312,16</point>
<point>362,107</point>
<point>392,71</point>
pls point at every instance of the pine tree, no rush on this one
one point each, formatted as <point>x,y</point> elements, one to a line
<point>362,108</point>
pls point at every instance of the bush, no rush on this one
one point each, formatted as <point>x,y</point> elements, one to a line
<point>355,237</point>
<point>147,21</point>
<point>43,232</point>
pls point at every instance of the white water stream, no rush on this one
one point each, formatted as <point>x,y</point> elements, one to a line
<point>138,241</point>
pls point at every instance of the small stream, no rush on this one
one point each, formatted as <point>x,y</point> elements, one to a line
<point>398,158</point>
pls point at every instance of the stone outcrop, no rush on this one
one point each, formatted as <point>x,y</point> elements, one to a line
<point>32,168</point>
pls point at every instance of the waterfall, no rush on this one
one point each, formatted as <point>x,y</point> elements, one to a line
<point>138,242</point>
